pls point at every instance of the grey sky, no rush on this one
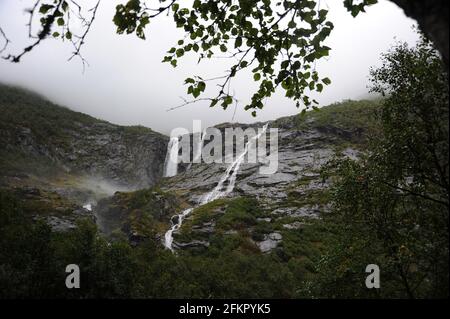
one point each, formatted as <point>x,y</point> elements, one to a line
<point>126,83</point>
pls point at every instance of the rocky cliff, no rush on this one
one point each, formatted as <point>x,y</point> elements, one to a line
<point>57,160</point>
<point>56,137</point>
<point>48,151</point>
<point>263,212</point>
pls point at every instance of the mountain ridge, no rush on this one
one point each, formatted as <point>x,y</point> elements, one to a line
<point>59,160</point>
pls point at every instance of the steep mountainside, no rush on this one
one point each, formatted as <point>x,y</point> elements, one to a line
<point>57,138</point>
<point>263,212</point>
<point>58,160</point>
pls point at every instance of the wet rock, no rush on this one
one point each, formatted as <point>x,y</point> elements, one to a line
<point>205,228</point>
<point>270,242</point>
<point>312,211</point>
<point>294,225</point>
<point>231,232</point>
<point>191,244</point>
<point>60,225</point>
<point>351,153</point>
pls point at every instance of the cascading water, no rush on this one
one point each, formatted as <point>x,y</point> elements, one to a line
<point>171,166</point>
<point>198,153</point>
<point>218,192</point>
<point>168,238</point>
<point>231,173</point>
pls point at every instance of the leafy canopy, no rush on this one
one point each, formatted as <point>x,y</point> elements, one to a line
<point>278,41</point>
<point>392,204</point>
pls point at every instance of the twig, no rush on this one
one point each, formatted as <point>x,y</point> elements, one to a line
<point>79,43</point>
<point>7,41</point>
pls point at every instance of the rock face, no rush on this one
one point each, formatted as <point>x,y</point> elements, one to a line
<point>55,137</point>
<point>270,242</point>
<point>286,199</point>
<point>48,152</point>
<point>59,161</point>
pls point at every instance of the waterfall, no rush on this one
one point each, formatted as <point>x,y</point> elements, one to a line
<point>171,166</point>
<point>198,151</point>
<point>218,192</point>
<point>168,238</point>
<point>231,172</point>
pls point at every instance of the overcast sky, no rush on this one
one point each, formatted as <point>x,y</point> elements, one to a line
<point>127,84</point>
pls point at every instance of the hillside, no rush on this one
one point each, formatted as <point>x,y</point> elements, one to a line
<point>54,161</point>
<point>58,160</point>
<point>263,213</point>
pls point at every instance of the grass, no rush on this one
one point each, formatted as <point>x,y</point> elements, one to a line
<point>34,131</point>
<point>348,115</point>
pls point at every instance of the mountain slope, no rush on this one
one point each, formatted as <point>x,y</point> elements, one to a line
<point>60,140</point>
<point>59,163</point>
<point>263,212</point>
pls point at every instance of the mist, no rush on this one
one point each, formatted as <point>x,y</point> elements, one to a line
<point>126,83</point>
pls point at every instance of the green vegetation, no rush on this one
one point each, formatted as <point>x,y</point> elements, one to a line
<point>346,115</point>
<point>35,133</point>
<point>143,213</point>
<point>22,109</point>
<point>279,44</point>
<point>353,122</point>
<point>28,117</point>
<point>33,261</point>
<point>391,207</point>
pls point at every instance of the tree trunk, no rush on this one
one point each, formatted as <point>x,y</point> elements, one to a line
<point>432,16</point>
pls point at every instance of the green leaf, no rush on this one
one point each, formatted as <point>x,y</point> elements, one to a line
<point>238,42</point>
<point>202,86</point>
<point>179,53</point>
<point>45,7</point>
<point>65,6</point>
<point>213,103</point>
<point>326,81</point>
<point>196,93</point>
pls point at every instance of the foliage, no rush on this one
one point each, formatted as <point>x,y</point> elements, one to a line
<point>393,204</point>
<point>33,261</point>
<point>345,115</point>
<point>34,132</point>
<point>280,42</point>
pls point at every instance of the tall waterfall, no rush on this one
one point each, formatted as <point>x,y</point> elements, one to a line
<point>231,172</point>
<point>218,192</point>
<point>198,150</point>
<point>171,165</point>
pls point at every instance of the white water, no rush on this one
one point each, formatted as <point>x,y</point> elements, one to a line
<point>198,153</point>
<point>88,207</point>
<point>218,192</point>
<point>171,167</point>
<point>168,238</point>
<point>231,172</point>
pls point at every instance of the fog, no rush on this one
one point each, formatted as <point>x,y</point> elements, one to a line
<point>127,84</point>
